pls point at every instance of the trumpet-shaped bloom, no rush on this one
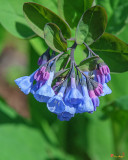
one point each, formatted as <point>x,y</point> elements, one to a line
<point>44,93</point>
<point>36,86</point>
<point>67,114</point>
<point>25,83</point>
<point>87,106</point>
<point>56,103</point>
<point>106,90</point>
<point>73,97</point>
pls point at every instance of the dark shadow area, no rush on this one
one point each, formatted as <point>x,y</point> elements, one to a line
<point>24,30</point>
<point>73,134</point>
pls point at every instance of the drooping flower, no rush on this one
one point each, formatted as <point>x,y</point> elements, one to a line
<point>56,103</point>
<point>87,106</point>
<point>80,94</point>
<point>67,114</point>
<point>73,97</point>
<point>102,74</point>
<point>44,93</point>
<point>106,90</point>
<point>25,83</point>
<point>45,78</point>
<point>92,95</point>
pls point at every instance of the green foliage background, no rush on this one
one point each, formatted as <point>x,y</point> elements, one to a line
<point>43,137</point>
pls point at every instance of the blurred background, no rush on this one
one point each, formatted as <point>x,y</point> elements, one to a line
<point>28,131</point>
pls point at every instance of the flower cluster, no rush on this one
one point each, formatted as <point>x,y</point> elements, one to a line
<point>75,92</point>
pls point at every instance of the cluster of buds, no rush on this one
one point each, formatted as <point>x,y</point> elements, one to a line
<point>75,92</point>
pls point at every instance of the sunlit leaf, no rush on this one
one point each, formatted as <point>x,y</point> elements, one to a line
<point>54,38</point>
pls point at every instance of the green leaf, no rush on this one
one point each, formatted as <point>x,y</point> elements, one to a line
<point>88,4</point>
<point>123,34</point>
<point>38,15</point>
<point>54,38</point>
<point>91,25</point>
<point>113,51</point>
<point>61,62</point>
<point>88,64</point>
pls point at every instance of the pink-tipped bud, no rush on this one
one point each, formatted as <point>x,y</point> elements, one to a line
<point>42,69</point>
<point>98,90</point>
<point>46,76</point>
<point>94,98</point>
<point>104,69</point>
<point>100,77</point>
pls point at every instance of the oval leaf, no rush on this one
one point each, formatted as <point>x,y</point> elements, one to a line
<point>54,38</point>
<point>113,51</point>
<point>38,15</point>
<point>88,64</point>
<point>91,25</point>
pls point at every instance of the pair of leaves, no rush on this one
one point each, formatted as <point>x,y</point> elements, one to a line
<point>88,29</point>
